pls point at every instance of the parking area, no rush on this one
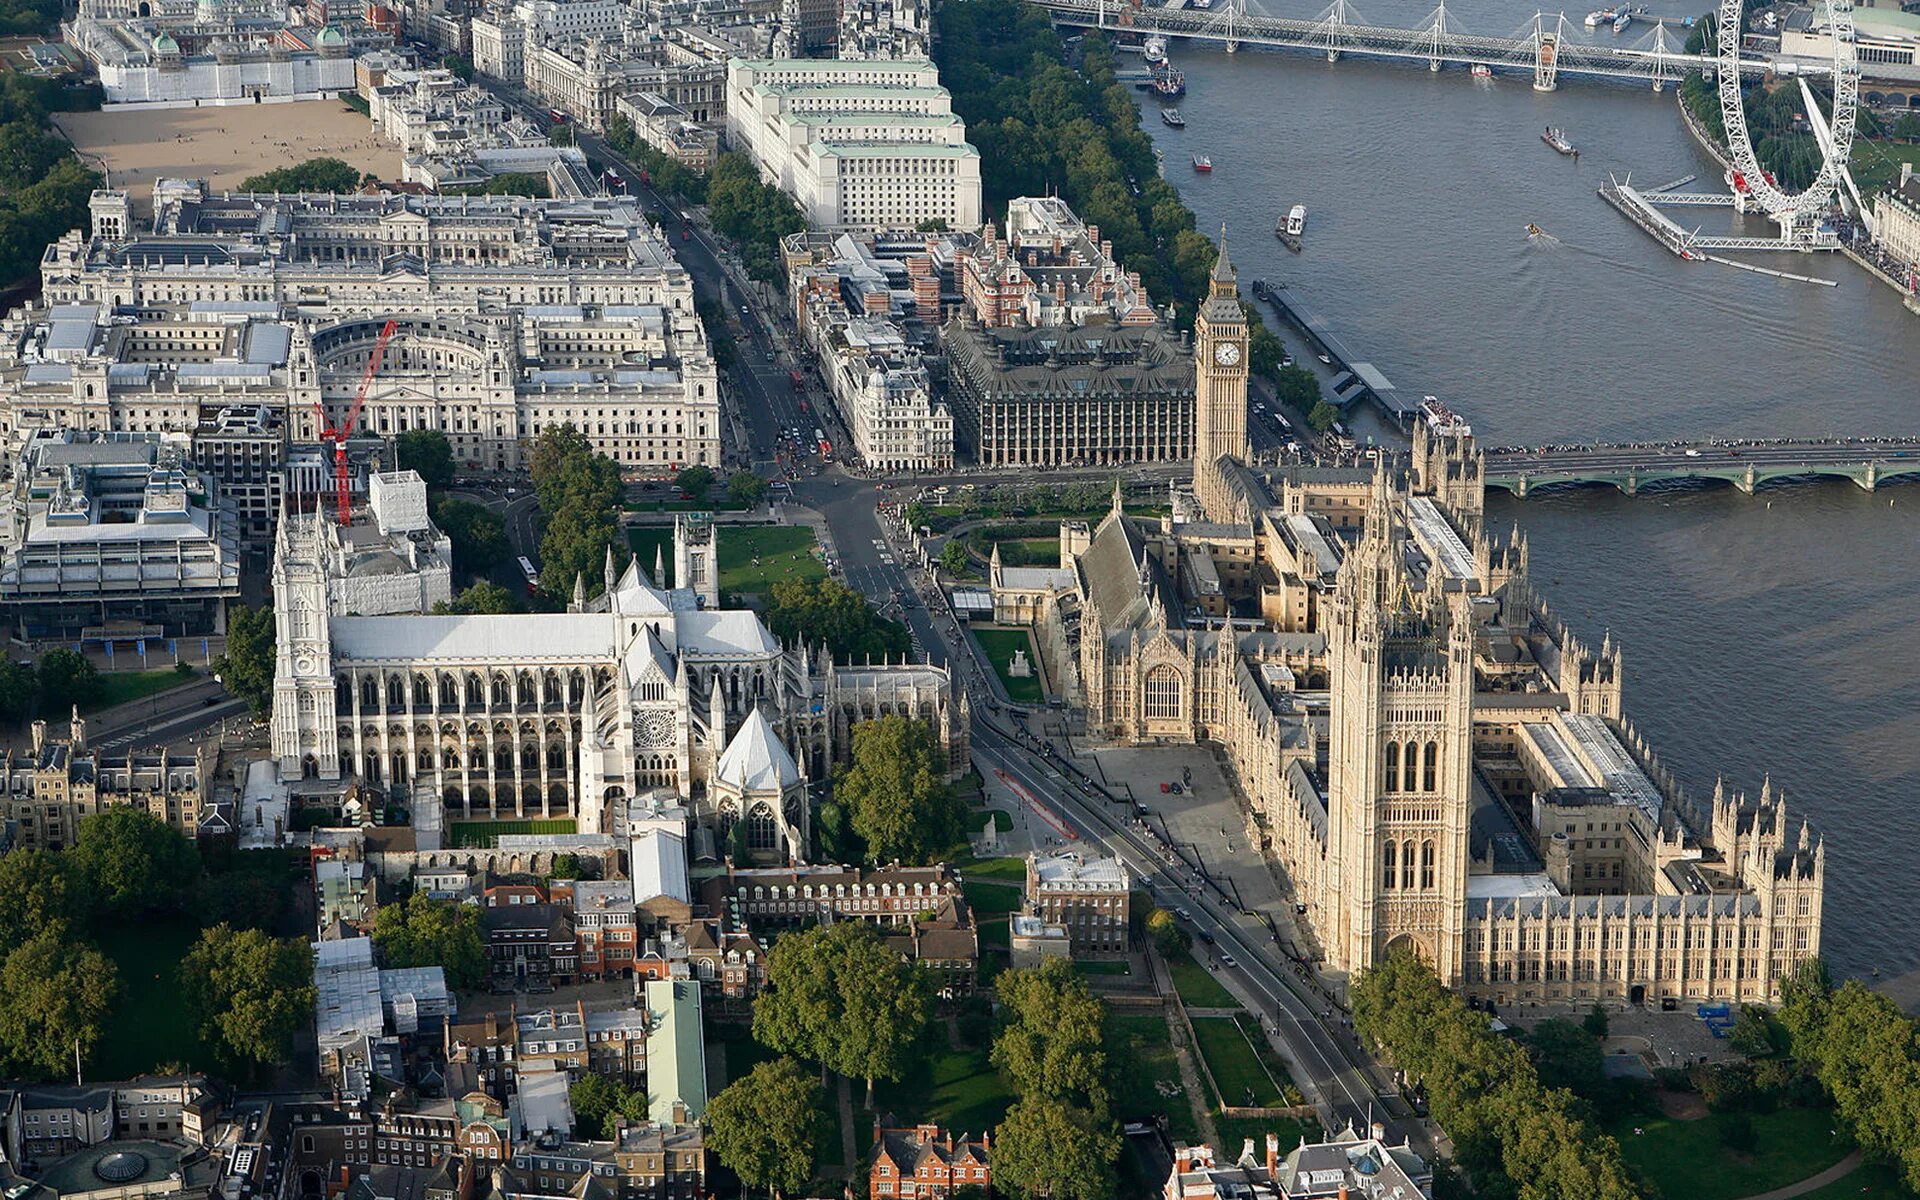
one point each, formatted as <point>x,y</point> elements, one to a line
<point>1663,1039</point>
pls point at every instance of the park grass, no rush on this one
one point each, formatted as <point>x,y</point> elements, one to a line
<point>1871,1181</point>
<point>755,557</point>
<point>1000,819</point>
<point>480,835</point>
<point>1238,1072</point>
<point>1140,1052</point>
<point>743,1053</point>
<point>1197,986</point>
<point>960,1089</point>
<point>150,1027</point>
<point>651,542</point>
<point>1688,1158</point>
<point>124,687</point>
<point>999,645</point>
<point>1009,869</point>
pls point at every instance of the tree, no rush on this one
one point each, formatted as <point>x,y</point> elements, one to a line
<point>1322,416</point>
<point>839,997</point>
<point>1566,1056</point>
<point>1168,938</point>
<point>1595,1022</point>
<point>423,932</point>
<point>828,612</point>
<point>579,491</point>
<point>595,1098</point>
<point>133,862</point>
<point>19,691</point>
<point>427,451</point>
<point>1754,1033</point>
<point>38,893</point>
<point>313,175</point>
<point>695,481</point>
<point>1297,388</point>
<point>249,994</point>
<point>478,535</point>
<point>1050,1047</point>
<point>1048,1149</point>
<point>746,489</point>
<point>762,1126</point>
<point>244,899</point>
<point>460,65</point>
<point>66,678</point>
<point>484,597</point>
<point>245,667</point>
<point>56,994</point>
<point>894,788</point>
<point>954,559</point>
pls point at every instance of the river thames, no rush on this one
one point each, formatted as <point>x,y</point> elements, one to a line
<point>1775,634</point>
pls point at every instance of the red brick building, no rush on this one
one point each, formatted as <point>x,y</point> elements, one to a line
<point>923,1162</point>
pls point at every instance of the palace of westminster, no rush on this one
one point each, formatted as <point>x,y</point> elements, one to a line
<point>1433,758</point>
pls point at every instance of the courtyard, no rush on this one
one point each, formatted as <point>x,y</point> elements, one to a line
<point>223,145</point>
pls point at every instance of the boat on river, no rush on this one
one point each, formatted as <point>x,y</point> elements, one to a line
<point>1557,138</point>
<point>1291,227</point>
<point>1202,163</point>
<point>1172,118</point>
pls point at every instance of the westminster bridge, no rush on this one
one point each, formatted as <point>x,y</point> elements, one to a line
<point>1745,465</point>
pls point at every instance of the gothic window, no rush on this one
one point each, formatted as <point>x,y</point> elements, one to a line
<point>1393,769</point>
<point>1163,693</point>
<point>1426,866</point>
<point>1406,864</point>
<point>1431,768</point>
<point>762,834</point>
<point>1409,764</point>
<point>1386,876</point>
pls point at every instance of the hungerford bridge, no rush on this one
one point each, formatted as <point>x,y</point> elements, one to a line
<point>1545,48</point>
<point>1866,463</point>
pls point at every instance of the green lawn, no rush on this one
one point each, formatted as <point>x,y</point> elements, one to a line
<point>1687,1158</point>
<point>743,1054</point>
<point>649,541</point>
<point>1011,869</point>
<point>1000,645</point>
<point>1239,1073</point>
<point>123,687</point>
<point>1870,1180</point>
<point>1029,552</point>
<point>475,835</point>
<point>960,1089</point>
<point>1140,1051</point>
<point>149,1027</point>
<point>988,898</point>
<point>755,557</point>
<point>977,821</point>
<point>1197,986</point>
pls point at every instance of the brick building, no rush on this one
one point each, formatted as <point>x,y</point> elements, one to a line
<point>927,1163</point>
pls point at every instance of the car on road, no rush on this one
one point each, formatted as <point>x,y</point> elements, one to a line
<point>1165,788</point>
<point>1182,914</point>
<point>1206,937</point>
<point>1693,454</point>
<point>1227,960</point>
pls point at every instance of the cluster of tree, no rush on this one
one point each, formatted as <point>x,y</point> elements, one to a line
<point>249,993</point>
<point>838,996</point>
<point>1090,499</point>
<point>313,175</point>
<point>597,1100</point>
<point>580,492</point>
<point>1514,1135</point>
<point>20,17</point>
<point>695,481</point>
<point>245,667</point>
<point>1866,1053</point>
<point>828,612</point>
<point>478,535</point>
<point>665,174</point>
<point>1059,1140</point>
<point>764,1126</point>
<point>954,558</point>
<point>480,599</point>
<point>43,186</point>
<point>52,687</point>
<point>1168,937</point>
<point>745,489</point>
<point>460,65</point>
<point>713,319</point>
<point>56,988</point>
<point>424,932</point>
<point>754,216</point>
<point>1299,389</point>
<point>427,451</point>
<point>892,796</point>
<point>508,183</point>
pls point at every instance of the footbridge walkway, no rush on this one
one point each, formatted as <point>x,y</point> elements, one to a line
<point>1867,462</point>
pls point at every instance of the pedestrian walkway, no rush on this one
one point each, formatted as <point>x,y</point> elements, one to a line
<point>1814,1183</point>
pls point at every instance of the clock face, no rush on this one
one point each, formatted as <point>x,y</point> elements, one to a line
<point>1227,353</point>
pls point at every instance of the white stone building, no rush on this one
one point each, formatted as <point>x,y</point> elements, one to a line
<point>859,144</point>
<point>513,316</point>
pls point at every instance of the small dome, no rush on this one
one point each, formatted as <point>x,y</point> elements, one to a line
<point>330,36</point>
<point>163,43</point>
<point>122,1166</point>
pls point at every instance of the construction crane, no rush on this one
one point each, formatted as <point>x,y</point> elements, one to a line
<point>338,434</point>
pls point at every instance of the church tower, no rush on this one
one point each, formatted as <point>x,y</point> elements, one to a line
<point>696,557</point>
<point>1219,384</point>
<point>1400,757</point>
<point>303,728</point>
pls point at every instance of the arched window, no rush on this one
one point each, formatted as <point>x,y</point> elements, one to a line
<point>1409,765</point>
<point>1430,771</point>
<point>1393,768</point>
<point>1406,864</point>
<point>1426,865</point>
<point>1164,700</point>
<point>762,834</point>
<point>1386,876</point>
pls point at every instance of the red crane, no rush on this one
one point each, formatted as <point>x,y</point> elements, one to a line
<point>339,434</point>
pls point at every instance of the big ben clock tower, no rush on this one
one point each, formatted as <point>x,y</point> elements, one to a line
<point>1219,384</point>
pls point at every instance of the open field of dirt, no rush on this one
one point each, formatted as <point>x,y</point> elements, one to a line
<point>223,145</point>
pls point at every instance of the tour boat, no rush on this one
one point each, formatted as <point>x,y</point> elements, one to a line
<point>1621,22</point>
<point>1600,16</point>
<point>1173,118</point>
<point>1291,227</point>
<point>1558,140</point>
<point>1168,82</point>
<point>1482,71</point>
<point>1202,163</point>
<point>1203,3</point>
<point>1154,50</point>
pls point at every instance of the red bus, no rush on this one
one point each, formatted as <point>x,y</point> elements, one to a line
<point>797,380</point>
